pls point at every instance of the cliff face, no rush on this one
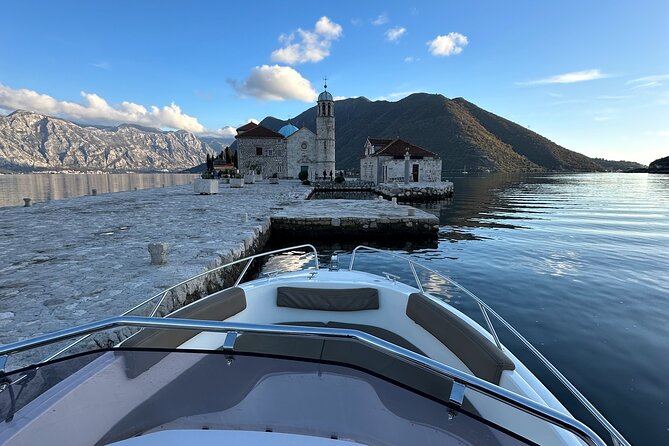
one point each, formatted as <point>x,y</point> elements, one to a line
<point>659,166</point>
<point>33,141</point>
<point>457,130</point>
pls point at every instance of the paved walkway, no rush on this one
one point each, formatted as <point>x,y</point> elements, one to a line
<point>77,260</point>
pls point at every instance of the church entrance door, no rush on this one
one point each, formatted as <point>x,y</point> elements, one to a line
<point>414,174</point>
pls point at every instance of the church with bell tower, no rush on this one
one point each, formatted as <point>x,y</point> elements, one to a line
<point>291,150</point>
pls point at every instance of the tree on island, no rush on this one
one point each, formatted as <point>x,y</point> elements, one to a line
<point>229,156</point>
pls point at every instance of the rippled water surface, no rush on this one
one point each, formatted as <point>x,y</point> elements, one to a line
<point>579,264</point>
<point>46,187</point>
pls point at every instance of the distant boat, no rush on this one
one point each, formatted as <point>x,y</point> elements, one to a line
<point>464,170</point>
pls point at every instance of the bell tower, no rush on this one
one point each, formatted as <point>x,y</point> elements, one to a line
<point>325,133</point>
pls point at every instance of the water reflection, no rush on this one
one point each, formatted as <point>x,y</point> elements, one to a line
<point>576,262</point>
<point>46,187</point>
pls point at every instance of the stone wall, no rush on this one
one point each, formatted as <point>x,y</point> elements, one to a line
<point>416,191</point>
<point>368,169</point>
<point>269,165</point>
<point>429,169</point>
<point>351,227</point>
<point>298,156</point>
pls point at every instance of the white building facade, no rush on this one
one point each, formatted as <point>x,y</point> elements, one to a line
<point>290,151</point>
<point>395,160</point>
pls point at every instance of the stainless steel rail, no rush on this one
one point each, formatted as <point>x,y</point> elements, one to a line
<point>163,294</point>
<point>519,402</point>
<point>616,436</point>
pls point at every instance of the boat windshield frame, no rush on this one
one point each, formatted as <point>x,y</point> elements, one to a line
<point>461,380</point>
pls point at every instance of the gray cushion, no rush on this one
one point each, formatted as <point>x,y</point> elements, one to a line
<point>480,355</point>
<point>351,299</point>
<point>215,307</point>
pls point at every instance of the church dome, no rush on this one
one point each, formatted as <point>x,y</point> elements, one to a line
<point>288,130</point>
<point>325,96</point>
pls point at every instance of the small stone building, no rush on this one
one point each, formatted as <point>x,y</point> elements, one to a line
<point>260,149</point>
<point>290,150</point>
<point>390,160</point>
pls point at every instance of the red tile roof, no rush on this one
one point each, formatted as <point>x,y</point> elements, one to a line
<point>259,132</point>
<point>379,141</point>
<point>398,147</point>
<point>246,127</point>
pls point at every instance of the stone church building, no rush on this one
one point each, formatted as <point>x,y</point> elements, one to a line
<point>396,160</point>
<point>290,150</point>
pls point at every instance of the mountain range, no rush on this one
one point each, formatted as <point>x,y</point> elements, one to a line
<point>31,141</point>
<point>461,133</point>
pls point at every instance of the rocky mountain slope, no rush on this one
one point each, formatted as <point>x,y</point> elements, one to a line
<point>30,141</point>
<point>457,130</point>
<point>619,166</point>
<point>659,165</point>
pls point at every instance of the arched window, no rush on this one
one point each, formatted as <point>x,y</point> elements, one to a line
<point>323,109</point>
<point>329,114</point>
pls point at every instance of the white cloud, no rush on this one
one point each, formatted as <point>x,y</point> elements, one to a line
<point>651,84</point>
<point>382,19</point>
<point>396,33</point>
<point>95,109</point>
<point>568,78</point>
<point>276,83</point>
<point>649,79</point>
<point>602,118</point>
<point>308,46</point>
<point>450,44</point>
<point>614,97</point>
<point>662,133</point>
<point>395,96</point>
<point>410,59</point>
<point>224,132</point>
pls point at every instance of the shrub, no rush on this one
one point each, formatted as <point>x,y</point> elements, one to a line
<point>339,180</point>
<point>303,176</point>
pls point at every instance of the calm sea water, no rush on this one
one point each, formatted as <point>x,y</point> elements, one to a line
<point>579,265</point>
<point>45,187</point>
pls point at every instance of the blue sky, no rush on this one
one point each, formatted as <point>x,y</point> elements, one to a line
<point>592,76</point>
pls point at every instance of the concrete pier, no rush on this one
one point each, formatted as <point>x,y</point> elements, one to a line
<point>368,218</point>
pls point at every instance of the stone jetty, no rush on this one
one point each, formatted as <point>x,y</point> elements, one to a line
<point>368,218</point>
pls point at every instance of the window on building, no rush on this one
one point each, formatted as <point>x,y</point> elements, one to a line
<point>269,152</point>
<point>258,151</point>
<point>278,168</point>
<point>329,109</point>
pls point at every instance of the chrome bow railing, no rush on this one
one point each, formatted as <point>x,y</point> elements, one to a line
<point>459,379</point>
<point>616,437</point>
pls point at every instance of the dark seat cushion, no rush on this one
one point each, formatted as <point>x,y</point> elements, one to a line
<point>351,299</point>
<point>215,307</point>
<point>480,355</point>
